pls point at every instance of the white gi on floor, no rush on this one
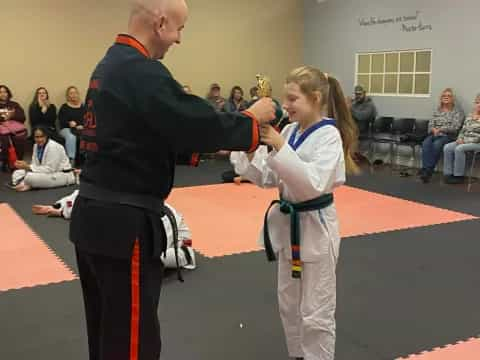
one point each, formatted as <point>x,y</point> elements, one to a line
<point>307,305</point>
<point>49,171</point>
<point>184,235</point>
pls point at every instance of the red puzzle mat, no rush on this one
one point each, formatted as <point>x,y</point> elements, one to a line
<point>25,260</point>
<point>226,219</point>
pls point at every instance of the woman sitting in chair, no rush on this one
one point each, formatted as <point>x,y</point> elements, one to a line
<point>443,128</point>
<point>50,166</point>
<point>468,140</point>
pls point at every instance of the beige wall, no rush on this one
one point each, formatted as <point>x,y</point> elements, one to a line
<point>55,43</point>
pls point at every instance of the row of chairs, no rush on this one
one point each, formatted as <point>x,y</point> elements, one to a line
<point>397,132</point>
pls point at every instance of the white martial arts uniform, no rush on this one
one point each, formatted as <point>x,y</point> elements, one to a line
<point>184,235</point>
<point>307,305</point>
<point>51,171</point>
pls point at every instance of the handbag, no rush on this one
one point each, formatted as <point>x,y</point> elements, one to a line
<point>11,155</point>
<point>12,127</point>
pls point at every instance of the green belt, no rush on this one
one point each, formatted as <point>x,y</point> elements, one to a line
<point>292,209</point>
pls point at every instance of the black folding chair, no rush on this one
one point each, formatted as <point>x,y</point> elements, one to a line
<point>381,134</point>
<point>415,138</point>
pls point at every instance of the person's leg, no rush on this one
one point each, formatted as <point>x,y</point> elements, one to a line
<point>318,308</point>
<point>46,181</point>
<point>121,301</point>
<point>438,144</point>
<point>19,142</point>
<point>460,158</point>
<point>449,158</point>
<point>289,298</point>
<point>42,209</point>
<point>427,150</point>
<point>70,143</point>
<point>92,301</point>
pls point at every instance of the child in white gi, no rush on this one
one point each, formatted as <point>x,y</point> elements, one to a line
<point>308,162</point>
<point>186,255</point>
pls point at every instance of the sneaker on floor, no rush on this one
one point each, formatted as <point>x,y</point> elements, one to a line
<point>455,180</point>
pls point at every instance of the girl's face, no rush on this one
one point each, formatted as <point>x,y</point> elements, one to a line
<point>73,95</point>
<point>476,105</point>
<point>299,107</point>
<point>42,95</point>
<point>237,95</point>
<point>39,137</point>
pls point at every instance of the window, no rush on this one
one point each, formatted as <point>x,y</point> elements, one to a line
<point>395,73</point>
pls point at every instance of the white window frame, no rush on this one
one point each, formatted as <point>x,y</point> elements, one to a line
<point>397,94</point>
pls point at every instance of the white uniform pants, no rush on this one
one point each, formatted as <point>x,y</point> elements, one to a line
<point>307,307</point>
<point>42,180</point>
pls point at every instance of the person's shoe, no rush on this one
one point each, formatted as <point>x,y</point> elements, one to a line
<point>455,180</point>
<point>446,178</point>
<point>426,177</point>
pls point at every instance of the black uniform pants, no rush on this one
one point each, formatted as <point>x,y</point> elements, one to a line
<point>121,298</point>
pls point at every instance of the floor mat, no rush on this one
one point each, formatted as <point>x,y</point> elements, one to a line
<point>464,350</point>
<point>25,260</point>
<point>226,219</point>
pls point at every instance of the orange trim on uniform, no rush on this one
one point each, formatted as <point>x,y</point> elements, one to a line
<point>135,302</point>
<point>255,131</point>
<point>195,159</point>
<point>131,41</point>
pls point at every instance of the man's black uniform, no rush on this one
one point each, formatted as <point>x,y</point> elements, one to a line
<point>139,123</point>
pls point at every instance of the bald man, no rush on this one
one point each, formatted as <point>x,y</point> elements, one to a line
<point>139,124</point>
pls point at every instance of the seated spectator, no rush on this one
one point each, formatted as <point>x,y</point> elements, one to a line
<point>362,107</point>
<point>214,97</point>
<point>186,255</point>
<point>468,140</point>
<point>50,166</point>
<point>42,112</point>
<point>443,128</point>
<point>235,102</point>
<point>253,95</point>
<point>70,117</point>
<point>12,119</point>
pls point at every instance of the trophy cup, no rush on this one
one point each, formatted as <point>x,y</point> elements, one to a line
<point>264,87</point>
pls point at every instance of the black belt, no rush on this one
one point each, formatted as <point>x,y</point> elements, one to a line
<point>154,205</point>
<point>292,209</point>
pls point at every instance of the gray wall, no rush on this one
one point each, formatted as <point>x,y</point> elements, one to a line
<point>333,36</point>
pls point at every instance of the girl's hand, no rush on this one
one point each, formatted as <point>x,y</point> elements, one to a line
<point>272,137</point>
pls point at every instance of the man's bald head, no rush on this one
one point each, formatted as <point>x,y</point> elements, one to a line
<point>158,23</point>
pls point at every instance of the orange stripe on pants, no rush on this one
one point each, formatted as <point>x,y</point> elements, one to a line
<point>135,302</point>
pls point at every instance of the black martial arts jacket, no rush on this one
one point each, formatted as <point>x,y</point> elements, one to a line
<point>138,123</point>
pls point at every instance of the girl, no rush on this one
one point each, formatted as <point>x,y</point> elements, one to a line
<point>308,162</point>
<point>49,168</point>
<point>42,112</point>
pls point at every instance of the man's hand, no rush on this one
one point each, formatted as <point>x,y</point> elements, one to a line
<point>460,142</point>
<point>272,137</point>
<point>72,124</point>
<point>263,110</point>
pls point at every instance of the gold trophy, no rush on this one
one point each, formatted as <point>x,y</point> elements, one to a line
<point>264,87</point>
